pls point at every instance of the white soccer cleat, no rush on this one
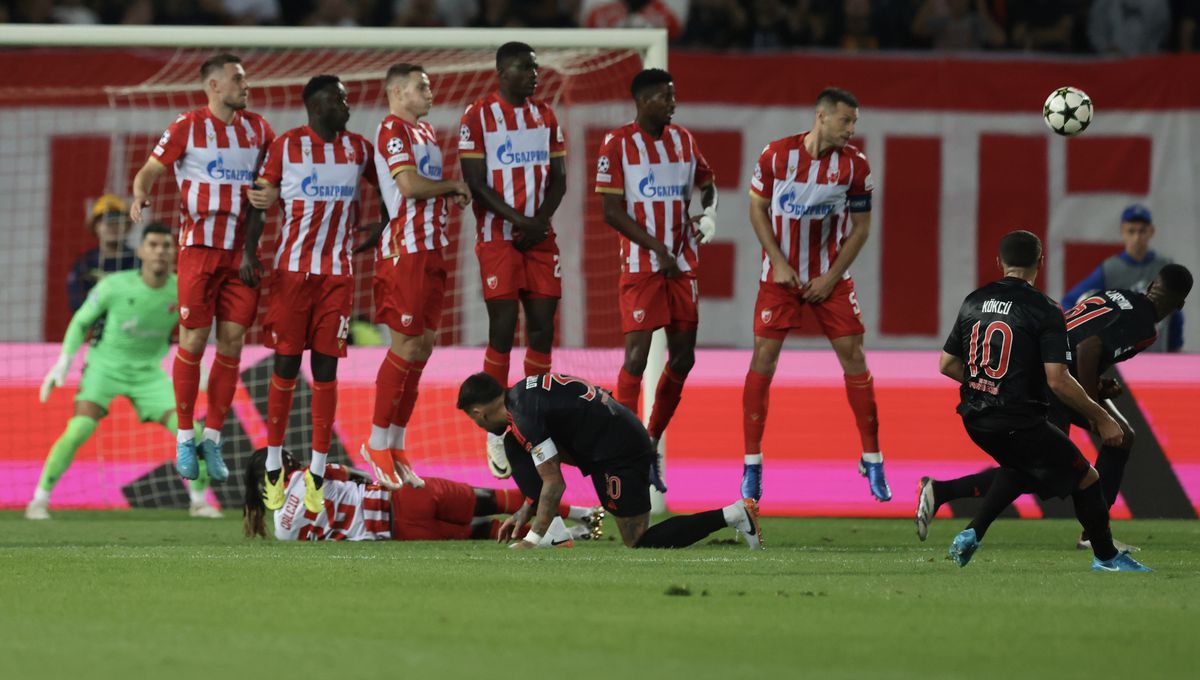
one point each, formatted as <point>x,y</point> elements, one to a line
<point>558,535</point>
<point>748,525</point>
<point>37,510</point>
<point>497,458</point>
<point>926,508</point>
<point>205,511</point>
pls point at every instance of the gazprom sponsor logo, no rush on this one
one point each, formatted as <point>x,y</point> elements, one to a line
<point>651,189</point>
<point>788,205</point>
<point>427,168</point>
<point>311,186</point>
<point>505,155</point>
<point>218,171</point>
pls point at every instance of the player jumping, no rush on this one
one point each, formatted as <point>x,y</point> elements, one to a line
<point>216,151</point>
<point>512,153</point>
<point>646,172</point>
<point>810,204</point>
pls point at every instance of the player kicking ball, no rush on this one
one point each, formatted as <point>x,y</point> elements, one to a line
<point>1007,348</point>
<point>559,419</point>
<point>140,312</point>
<point>314,171</point>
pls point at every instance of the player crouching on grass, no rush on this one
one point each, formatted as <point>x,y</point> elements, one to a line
<point>358,510</point>
<point>558,419</point>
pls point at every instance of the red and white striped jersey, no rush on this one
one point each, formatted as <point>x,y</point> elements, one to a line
<point>353,512</point>
<point>517,143</point>
<point>215,163</point>
<point>415,225</point>
<point>811,201</point>
<point>318,186</point>
<point>656,177</point>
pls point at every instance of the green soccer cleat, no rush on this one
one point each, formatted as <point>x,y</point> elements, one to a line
<point>273,494</point>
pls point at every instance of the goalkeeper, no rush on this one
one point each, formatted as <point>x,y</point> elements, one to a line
<point>140,310</point>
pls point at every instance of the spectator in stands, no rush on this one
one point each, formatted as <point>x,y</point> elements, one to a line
<point>251,12</point>
<point>1129,27</point>
<point>337,13</point>
<point>1133,269</point>
<point>859,32</point>
<point>957,25</point>
<point>770,27</point>
<point>74,12</point>
<point>715,24</point>
<point>815,23</point>
<point>456,13</point>
<point>636,14</point>
<point>1041,25</point>
<point>110,225</point>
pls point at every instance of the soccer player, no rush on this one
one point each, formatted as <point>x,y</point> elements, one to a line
<point>110,225</point>
<point>410,269</point>
<point>1007,346</point>
<point>441,510</point>
<point>512,153</point>
<point>216,151</point>
<point>140,312</point>
<point>810,205</point>
<point>1107,328</point>
<point>646,172</point>
<point>559,419</point>
<point>314,171</point>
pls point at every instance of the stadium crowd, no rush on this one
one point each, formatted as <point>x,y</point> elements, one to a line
<point>1124,27</point>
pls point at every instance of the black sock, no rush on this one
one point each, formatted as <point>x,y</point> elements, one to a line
<point>971,486</point>
<point>1007,485</point>
<point>1110,463</point>
<point>318,481</point>
<point>273,475</point>
<point>1092,512</point>
<point>682,531</point>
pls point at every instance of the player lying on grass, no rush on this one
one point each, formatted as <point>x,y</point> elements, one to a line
<point>358,510</point>
<point>139,308</point>
<point>557,419</point>
<point>1104,329</point>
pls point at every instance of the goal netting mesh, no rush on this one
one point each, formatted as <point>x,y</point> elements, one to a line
<point>74,145</point>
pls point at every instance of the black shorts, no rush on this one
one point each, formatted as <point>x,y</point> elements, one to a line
<point>623,486</point>
<point>1041,451</point>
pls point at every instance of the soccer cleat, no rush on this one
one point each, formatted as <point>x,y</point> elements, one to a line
<point>748,525</point>
<point>207,511</point>
<point>874,474</point>
<point>382,467</point>
<point>1122,562</point>
<point>314,496</point>
<point>963,547</point>
<point>186,462</point>
<point>273,494</point>
<point>557,535</point>
<point>404,470</point>
<point>752,481</point>
<point>37,510</point>
<point>1085,544</point>
<point>656,475</point>
<point>926,507</point>
<point>213,460</point>
<point>595,522</point>
<point>497,458</point>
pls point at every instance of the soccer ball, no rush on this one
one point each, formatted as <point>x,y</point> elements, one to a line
<point>1068,111</point>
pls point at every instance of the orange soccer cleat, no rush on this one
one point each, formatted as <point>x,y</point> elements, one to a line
<point>382,467</point>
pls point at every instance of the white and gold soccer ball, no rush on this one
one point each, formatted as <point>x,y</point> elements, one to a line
<point>1068,111</point>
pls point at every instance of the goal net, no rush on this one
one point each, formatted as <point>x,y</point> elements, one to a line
<point>89,129</point>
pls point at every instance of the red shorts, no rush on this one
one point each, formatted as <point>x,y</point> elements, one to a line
<point>209,286</point>
<point>779,309</point>
<point>509,274</point>
<point>308,311</point>
<point>409,290</point>
<point>441,511</point>
<point>650,301</point>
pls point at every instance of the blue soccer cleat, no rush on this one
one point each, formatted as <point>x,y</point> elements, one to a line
<point>1122,562</point>
<point>874,474</point>
<point>963,547</point>
<point>752,481</point>
<point>212,458</point>
<point>186,462</point>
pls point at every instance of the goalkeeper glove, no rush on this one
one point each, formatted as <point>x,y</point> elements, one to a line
<point>56,377</point>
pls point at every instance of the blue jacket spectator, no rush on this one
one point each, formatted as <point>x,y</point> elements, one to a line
<point>110,225</point>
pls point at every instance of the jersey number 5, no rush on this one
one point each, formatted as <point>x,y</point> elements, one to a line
<point>980,356</point>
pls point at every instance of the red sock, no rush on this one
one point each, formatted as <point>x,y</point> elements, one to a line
<point>666,400</point>
<point>629,386</point>
<point>389,381</point>
<point>536,363</point>
<point>185,375</point>
<point>495,364</point>
<point>222,383</point>
<point>408,396</point>
<point>324,405</point>
<point>279,406</point>
<point>509,501</point>
<point>860,391</point>
<point>564,510</point>
<point>494,531</point>
<point>755,396</point>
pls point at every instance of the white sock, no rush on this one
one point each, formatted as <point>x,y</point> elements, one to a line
<point>317,465</point>
<point>734,513</point>
<point>578,512</point>
<point>41,495</point>
<point>183,435</point>
<point>212,435</point>
<point>197,496</point>
<point>396,437</point>
<point>274,458</point>
<point>753,459</point>
<point>873,457</point>
<point>379,438</point>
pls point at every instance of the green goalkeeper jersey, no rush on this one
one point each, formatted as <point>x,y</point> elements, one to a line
<point>138,321</point>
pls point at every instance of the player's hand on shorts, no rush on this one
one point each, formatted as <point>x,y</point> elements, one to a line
<point>818,289</point>
<point>1110,432</point>
<point>667,263</point>
<point>56,377</point>
<point>374,232</point>
<point>251,270</point>
<point>1110,388</point>
<point>263,196</point>
<point>530,231</point>
<point>137,209</point>
<point>783,274</point>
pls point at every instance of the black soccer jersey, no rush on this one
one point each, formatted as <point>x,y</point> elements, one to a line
<point>1123,320</point>
<point>1005,331</point>
<point>555,413</point>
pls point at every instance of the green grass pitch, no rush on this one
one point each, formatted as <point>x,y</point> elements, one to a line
<point>155,594</point>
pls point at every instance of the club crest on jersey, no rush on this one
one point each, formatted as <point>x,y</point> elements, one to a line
<point>395,146</point>
<point>766,316</point>
<point>492,282</point>
<point>183,313</point>
<point>639,315</point>
<point>352,155</point>
<point>833,174</point>
<point>406,320</point>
